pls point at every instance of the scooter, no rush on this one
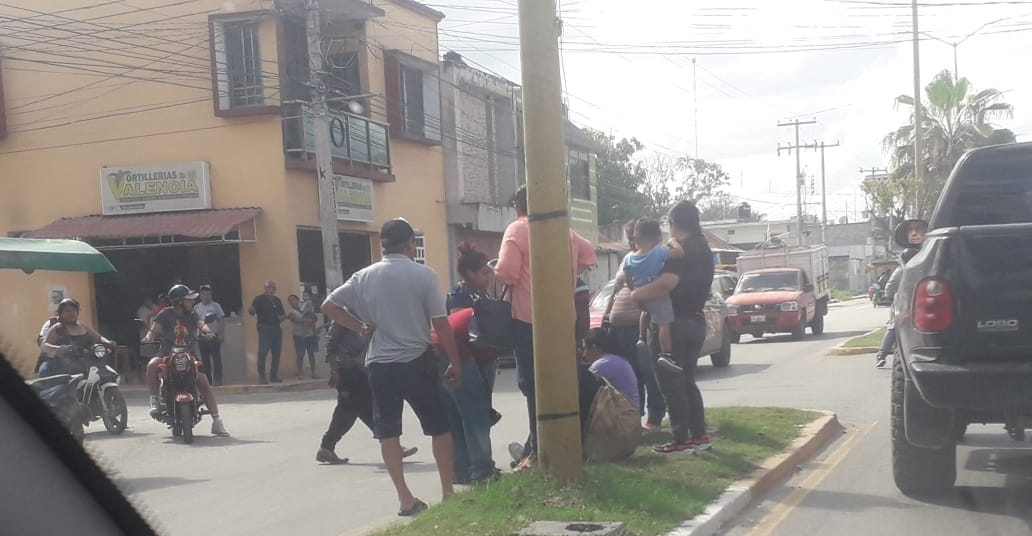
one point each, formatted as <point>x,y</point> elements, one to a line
<point>59,392</point>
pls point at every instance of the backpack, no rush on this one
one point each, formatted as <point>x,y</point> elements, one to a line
<point>614,426</point>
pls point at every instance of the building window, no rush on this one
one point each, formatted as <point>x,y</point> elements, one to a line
<point>344,80</point>
<point>239,80</point>
<point>421,249</point>
<point>413,94</point>
<point>579,175</point>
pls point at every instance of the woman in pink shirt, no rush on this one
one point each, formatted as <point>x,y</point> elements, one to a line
<point>513,269</point>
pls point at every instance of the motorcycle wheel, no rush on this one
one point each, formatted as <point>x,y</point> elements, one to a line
<point>117,416</point>
<point>186,421</point>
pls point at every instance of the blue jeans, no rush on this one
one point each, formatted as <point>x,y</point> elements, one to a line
<point>888,342</point>
<point>270,340</point>
<point>469,416</point>
<point>642,365</point>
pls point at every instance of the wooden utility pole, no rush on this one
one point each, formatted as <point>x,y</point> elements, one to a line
<point>323,150</point>
<point>799,173</point>
<point>555,366</point>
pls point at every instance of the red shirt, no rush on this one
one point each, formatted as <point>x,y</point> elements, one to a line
<point>460,320</point>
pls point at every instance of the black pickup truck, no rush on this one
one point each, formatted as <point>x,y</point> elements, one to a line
<point>964,318</point>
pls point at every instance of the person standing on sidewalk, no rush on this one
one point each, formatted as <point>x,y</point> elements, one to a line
<point>513,269</point>
<point>401,300</point>
<point>211,350</point>
<point>306,341</point>
<point>268,309</point>
<point>687,280</point>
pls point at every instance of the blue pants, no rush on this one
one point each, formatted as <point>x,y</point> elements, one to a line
<point>269,340</point>
<point>888,342</point>
<point>642,365</point>
<point>469,417</point>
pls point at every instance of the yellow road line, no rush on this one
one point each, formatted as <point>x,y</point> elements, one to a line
<point>766,526</point>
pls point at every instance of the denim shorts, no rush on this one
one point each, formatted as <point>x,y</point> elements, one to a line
<point>416,382</point>
<point>306,344</point>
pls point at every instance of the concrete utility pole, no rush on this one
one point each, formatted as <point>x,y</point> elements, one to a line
<point>695,97</point>
<point>323,150</point>
<point>918,142</point>
<point>824,194</point>
<point>799,173</point>
<point>555,367</point>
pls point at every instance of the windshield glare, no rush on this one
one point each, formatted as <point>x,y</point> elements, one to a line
<point>769,281</point>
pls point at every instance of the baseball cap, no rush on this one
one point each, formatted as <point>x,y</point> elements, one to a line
<point>396,232</point>
<point>205,287</point>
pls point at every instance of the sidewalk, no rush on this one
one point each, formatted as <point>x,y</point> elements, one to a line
<point>135,390</point>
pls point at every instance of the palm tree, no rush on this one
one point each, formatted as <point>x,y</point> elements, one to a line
<point>955,120</point>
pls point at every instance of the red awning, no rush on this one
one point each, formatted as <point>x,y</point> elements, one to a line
<point>193,224</point>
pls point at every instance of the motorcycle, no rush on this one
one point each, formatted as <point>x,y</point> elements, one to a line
<point>180,401</point>
<point>99,394</point>
<point>59,392</point>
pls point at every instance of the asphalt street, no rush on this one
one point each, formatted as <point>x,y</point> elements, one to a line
<point>264,480</point>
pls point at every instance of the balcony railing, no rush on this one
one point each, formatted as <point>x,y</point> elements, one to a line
<point>353,138</point>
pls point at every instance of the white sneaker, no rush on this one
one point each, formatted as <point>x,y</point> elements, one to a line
<point>218,428</point>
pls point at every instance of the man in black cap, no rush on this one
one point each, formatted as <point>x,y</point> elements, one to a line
<point>397,300</point>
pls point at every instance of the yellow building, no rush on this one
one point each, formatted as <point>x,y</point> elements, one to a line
<point>174,138</point>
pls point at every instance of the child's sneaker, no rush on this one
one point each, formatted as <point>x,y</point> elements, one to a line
<point>687,447</point>
<point>668,364</point>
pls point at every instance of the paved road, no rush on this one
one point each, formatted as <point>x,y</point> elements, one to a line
<point>264,480</point>
<point>849,491</point>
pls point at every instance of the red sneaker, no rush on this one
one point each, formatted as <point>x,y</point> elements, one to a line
<point>702,444</point>
<point>675,448</point>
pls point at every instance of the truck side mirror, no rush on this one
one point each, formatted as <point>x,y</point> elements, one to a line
<point>808,287</point>
<point>910,233</point>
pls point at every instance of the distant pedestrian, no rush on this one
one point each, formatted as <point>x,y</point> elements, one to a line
<point>211,349</point>
<point>401,299</point>
<point>145,312</point>
<point>306,341</point>
<point>514,269</point>
<point>268,309</point>
<point>688,281</point>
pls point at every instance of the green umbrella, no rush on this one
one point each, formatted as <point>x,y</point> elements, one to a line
<point>30,254</point>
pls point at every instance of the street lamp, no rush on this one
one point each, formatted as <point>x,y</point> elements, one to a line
<point>955,44</point>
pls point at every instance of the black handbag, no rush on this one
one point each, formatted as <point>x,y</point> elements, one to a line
<point>491,325</point>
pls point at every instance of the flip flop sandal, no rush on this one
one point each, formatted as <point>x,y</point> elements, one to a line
<point>418,507</point>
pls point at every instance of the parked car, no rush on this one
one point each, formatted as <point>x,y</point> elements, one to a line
<point>963,318</point>
<point>718,334</point>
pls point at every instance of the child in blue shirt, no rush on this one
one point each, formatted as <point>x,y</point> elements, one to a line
<point>641,267</point>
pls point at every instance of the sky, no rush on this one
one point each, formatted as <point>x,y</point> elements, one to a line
<point>627,70</point>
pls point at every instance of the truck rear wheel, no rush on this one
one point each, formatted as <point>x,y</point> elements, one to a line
<point>917,471</point>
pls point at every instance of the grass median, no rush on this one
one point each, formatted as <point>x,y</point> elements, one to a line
<point>870,340</point>
<point>652,493</point>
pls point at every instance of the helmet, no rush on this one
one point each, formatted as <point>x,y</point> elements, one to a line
<point>67,302</point>
<point>178,293</point>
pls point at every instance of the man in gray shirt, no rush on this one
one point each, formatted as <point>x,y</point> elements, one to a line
<point>398,300</point>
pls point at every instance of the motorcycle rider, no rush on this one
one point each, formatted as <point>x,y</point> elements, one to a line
<point>915,235</point>
<point>67,331</point>
<point>176,326</point>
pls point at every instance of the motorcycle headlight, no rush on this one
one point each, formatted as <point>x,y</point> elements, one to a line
<point>99,351</point>
<point>790,306</point>
<point>732,309</point>
<point>181,363</point>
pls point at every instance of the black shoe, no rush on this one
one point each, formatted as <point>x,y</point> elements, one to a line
<point>495,417</point>
<point>667,363</point>
<point>406,452</point>
<point>276,380</point>
<point>329,457</point>
<point>262,380</point>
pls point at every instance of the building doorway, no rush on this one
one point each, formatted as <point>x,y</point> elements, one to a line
<point>355,254</point>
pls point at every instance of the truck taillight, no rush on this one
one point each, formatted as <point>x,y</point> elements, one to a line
<point>933,306</point>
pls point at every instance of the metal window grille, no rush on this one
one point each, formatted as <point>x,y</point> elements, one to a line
<point>243,64</point>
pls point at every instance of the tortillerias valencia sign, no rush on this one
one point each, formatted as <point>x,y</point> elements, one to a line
<point>155,188</point>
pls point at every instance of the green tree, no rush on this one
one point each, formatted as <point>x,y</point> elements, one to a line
<point>671,179</point>
<point>621,178</point>
<point>955,119</point>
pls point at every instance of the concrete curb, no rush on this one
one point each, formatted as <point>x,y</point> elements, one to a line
<point>842,349</point>
<point>136,391</point>
<point>772,473</point>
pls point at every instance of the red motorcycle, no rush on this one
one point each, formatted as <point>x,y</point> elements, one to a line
<point>181,401</point>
